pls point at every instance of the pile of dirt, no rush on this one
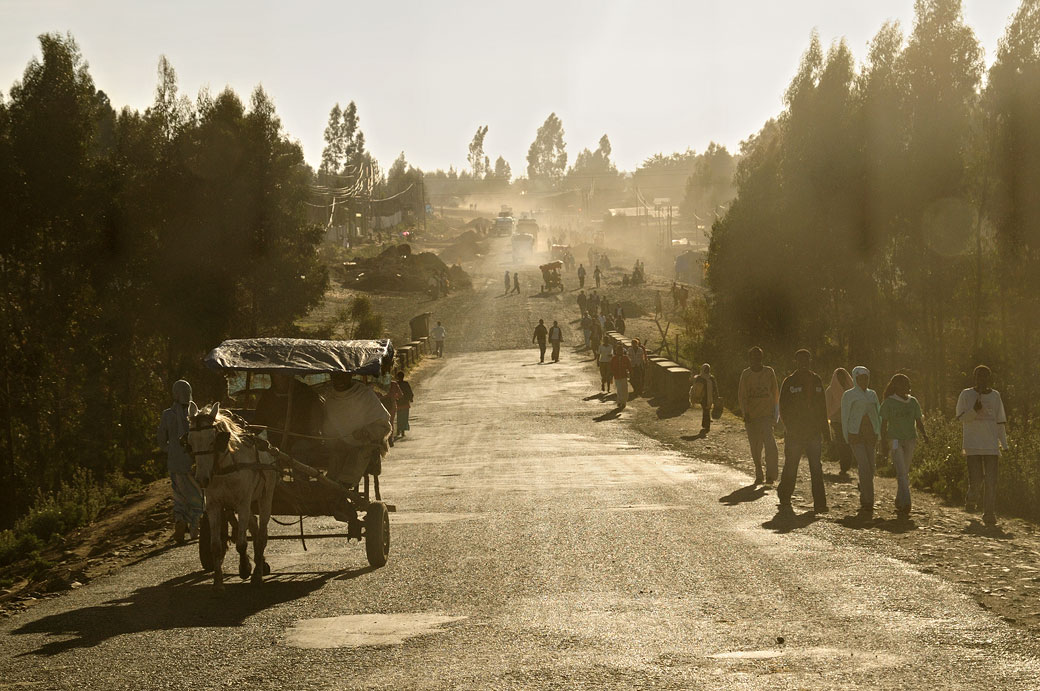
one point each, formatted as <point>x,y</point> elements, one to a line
<point>632,309</point>
<point>398,269</point>
<point>467,246</point>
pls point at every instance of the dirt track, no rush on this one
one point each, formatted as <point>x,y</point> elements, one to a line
<point>541,544</point>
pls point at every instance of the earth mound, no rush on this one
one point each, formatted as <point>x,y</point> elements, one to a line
<point>467,246</point>
<point>398,269</point>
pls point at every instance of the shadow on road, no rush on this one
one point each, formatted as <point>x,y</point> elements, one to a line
<point>744,494</point>
<point>896,526</point>
<point>977,527</point>
<point>694,437</point>
<point>612,414</point>
<point>183,602</point>
<point>667,408</point>
<point>784,522</point>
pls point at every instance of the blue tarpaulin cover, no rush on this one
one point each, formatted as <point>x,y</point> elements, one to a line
<point>302,356</point>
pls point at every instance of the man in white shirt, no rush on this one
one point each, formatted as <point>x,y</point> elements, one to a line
<point>555,338</point>
<point>438,334</point>
<point>355,425</point>
<point>981,412</point>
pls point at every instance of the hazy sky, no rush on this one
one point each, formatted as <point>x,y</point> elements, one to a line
<point>655,76</point>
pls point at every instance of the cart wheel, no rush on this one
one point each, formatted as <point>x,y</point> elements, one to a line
<point>377,533</point>
<point>205,555</point>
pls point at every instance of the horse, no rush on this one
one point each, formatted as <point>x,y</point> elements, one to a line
<point>234,473</point>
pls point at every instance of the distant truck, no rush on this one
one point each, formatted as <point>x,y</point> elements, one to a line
<point>689,267</point>
<point>528,225</point>
<point>504,226</point>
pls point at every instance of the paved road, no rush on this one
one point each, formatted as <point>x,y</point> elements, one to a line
<point>534,548</point>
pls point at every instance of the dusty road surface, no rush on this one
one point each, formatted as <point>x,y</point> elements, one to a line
<point>533,548</point>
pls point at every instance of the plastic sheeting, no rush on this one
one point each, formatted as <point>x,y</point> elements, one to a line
<point>302,356</point>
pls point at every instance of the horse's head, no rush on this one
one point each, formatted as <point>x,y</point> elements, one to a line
<point>207,440</point>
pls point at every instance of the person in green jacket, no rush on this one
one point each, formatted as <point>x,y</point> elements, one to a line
<point>901,418</point>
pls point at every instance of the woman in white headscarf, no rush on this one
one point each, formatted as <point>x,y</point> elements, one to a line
<point>861,423</point>
<point>187,497</point>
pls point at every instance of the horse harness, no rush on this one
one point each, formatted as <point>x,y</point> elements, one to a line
<point>221,450</point>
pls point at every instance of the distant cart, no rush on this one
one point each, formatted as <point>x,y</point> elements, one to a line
<point>551,275</point>
<point>304,489</point>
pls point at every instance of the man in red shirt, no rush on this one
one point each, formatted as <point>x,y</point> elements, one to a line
<point>620,368</point>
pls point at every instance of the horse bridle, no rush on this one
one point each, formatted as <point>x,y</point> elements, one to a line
<point>220,443</point>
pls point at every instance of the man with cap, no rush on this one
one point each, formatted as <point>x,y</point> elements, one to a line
<point>861,425</point>
<point>803,410</point>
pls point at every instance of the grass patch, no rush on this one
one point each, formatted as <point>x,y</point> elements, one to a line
<point>76,503</point>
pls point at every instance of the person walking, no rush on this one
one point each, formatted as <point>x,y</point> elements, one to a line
<point>620,370</point>
<point>507,283</point>
<point>841,381</point>
<point>605,354</point>
<point>861,423</point>
<point>583,302</point>
<point>393,395</point>
<point>586,331</point>
<point>704,392</point>
<point>438,334</point>
<point>555,338</point>
<point>404,404</point>
<point>758,397</point>
<point>901,417</point>
<point>803,410</point>
<point>598,275</point>
<point>516,282</point>
<point>984,430</point>
<point>581,276</point>
<point>187,496</point>
<point>637,355</point>
<point>658,305</point>
<point>596,336</point>
<point>540,334</point>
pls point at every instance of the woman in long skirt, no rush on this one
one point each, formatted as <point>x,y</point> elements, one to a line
<point>187,496</point>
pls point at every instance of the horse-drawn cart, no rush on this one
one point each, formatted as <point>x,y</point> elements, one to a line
<point>551,276</point>
<point>305,486</point>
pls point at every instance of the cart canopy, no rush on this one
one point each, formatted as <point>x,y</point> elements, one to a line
<point>302,356</point>
<point>552,265</point>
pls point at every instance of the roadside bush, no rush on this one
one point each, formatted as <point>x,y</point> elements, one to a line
<point>76,503</point>
<point>940,467</point>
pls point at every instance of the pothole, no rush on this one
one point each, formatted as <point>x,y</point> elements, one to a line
<point>748,655</point>
<point>357,630</point>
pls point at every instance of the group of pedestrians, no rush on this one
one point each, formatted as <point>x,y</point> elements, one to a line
<point>553,334</point>
<point>861,426</point>
<point>623,367</point>
<point>598,316</point>
<point>515,283</point>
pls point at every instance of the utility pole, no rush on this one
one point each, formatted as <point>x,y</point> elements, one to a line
<point>422,184</point>
<point>669,223</point>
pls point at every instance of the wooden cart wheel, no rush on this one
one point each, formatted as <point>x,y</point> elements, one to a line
<point>377,533</point>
